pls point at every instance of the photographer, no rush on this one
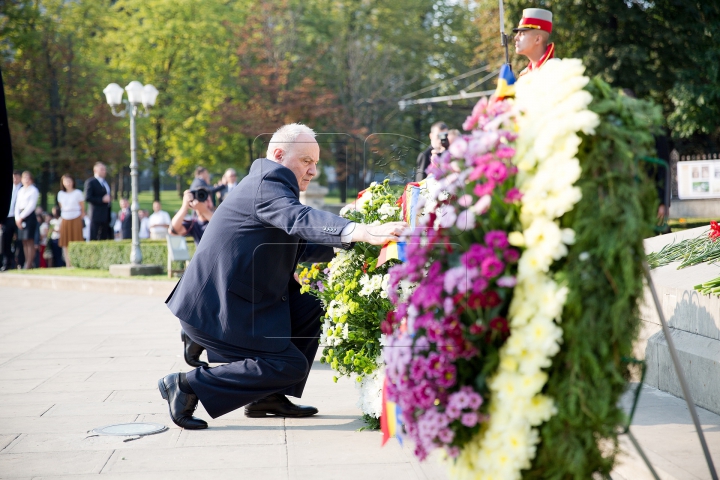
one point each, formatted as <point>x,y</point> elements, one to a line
<point>203,212</point>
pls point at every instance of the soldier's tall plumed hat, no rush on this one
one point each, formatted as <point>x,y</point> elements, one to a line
<point>535,19</point>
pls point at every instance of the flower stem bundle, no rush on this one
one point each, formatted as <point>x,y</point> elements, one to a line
<point>711,287</point>
<point>703,248</point>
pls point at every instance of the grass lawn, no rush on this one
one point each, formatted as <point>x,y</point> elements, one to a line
<point>169,198</point>
<point>82,272</point>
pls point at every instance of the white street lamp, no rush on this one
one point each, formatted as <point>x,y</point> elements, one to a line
<point>149,95</point>
<point>134,91</point>
<point>137,95</point>
<point>114,94</point>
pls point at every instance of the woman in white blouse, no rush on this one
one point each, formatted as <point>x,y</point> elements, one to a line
<point>25,218</point>
<point>72,211</point>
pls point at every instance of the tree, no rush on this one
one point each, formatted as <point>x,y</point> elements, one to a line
<point>182,47</point>
<point>57,120</point>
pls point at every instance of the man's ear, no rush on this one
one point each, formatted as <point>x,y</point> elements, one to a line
<point>278,154</point>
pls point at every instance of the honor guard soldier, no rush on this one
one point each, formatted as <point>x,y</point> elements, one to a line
<point>532,38</point>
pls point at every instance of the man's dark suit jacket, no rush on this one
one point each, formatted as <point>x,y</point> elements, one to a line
<point>99,211</point>
<point>423,161</point>
<point>126,224</point>
<point>236,287</point>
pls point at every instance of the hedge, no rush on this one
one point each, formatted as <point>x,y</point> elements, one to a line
<point>101,254</point>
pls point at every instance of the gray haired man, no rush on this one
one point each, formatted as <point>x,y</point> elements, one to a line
<point>239,299</point>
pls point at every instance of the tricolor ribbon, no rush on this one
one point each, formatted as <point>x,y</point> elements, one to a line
<point>390,424</point>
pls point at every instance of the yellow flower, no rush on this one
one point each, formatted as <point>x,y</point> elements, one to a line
<point>516,239</point>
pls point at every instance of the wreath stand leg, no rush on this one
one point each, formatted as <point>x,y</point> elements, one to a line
<point>681,378</point>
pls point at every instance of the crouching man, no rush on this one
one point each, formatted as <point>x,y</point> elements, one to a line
<point>239,298</point>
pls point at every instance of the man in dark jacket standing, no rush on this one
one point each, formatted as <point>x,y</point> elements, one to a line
<point>239,298</point>
<point>423,160</point>
<point>97,196</point>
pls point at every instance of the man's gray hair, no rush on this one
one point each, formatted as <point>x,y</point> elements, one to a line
<point>286,136</point>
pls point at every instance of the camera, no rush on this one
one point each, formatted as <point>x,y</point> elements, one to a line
<point>200,194</point>
<point>443,136</point>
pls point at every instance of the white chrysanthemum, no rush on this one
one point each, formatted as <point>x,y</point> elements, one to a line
<point>370,397</point>
<point>387,210</point>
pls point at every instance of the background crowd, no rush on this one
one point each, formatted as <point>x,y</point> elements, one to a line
<point>34,238</point>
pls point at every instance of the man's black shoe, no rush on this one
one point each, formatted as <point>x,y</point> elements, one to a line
<point>278,405</point>
<point>182,405</point>
<point>192,351</point>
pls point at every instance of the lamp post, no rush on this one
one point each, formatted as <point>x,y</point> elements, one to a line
<point>137,95</point>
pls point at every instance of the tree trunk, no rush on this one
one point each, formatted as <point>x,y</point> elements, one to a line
<point>179,185</point>
<point>56,120</point>
<point>155,161</point>
<point>156,179</point>
<point>44,185</point>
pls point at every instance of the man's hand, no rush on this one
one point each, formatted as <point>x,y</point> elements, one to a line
<point>18,222</point>
<point>106,198</point>
<point>661,213</point>
<point>188,200</point>
<point>378,234</point>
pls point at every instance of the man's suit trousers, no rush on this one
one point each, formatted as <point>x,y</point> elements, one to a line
<point>100,231</point>
<point>252,375</point>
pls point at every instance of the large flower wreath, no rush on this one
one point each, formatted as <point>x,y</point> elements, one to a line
<point>474,334</point>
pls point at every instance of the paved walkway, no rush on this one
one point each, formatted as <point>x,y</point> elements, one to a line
<point>71,361</point>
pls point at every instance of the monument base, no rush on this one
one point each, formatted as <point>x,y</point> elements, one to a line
<point>694,322</point>
<point>130,270</point>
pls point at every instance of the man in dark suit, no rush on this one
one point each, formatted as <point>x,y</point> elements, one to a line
<point>423,160</point>
<point>97,196</point>
<point>239,299</point>
<point>125,217</point>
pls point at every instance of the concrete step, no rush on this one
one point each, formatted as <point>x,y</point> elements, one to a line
<point>152,288</point>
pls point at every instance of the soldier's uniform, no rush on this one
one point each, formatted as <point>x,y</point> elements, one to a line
<point>537,19</point>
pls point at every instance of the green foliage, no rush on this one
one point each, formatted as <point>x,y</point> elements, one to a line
<point>371,423</point>
<point>604,275</point>
<point>102,254</point>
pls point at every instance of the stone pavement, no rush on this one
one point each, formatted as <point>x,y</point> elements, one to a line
<point>71,361</point>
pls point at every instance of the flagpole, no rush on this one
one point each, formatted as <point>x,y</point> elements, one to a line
<point>503,36</point>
